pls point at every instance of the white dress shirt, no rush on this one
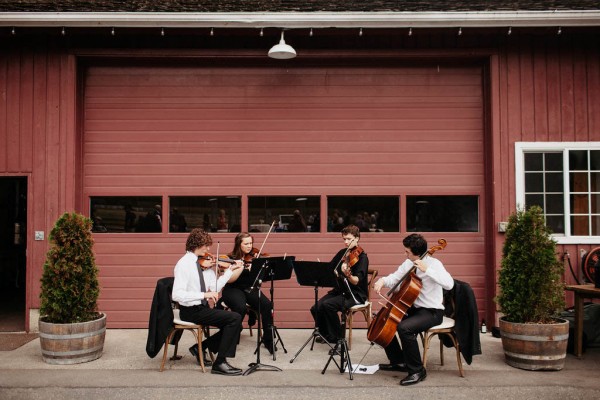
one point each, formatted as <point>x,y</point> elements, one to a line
<point>434,280</point>
<point>186,288</point>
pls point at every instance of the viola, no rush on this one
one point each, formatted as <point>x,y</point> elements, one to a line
<point>353,255</point>
<point>384,325</point>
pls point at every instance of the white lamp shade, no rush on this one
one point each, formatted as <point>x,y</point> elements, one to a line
<point>282,51</point>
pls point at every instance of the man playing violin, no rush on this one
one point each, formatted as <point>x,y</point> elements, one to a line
<point>195,284</point>
<point>237,293</point>
<point>426,312</point>
<point>352,265</point>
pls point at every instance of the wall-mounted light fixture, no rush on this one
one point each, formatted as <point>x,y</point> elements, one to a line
<point>282,51</point>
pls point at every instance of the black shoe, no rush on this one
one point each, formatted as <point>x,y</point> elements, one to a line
<point>414,378</point>
<point>225,369</point>
<point>325,340</point>
<point>393,367</point>
<point>194,351</point>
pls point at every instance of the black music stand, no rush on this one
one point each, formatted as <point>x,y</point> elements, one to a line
<point>341,347</point>
<point>315,274</point>
<point>258,272</point>
<point>278,269</point>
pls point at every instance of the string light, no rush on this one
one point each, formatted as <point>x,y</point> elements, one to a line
<point>112,31</point>
<point>559,31</point>
<point>409,31</point>
<point>212,32</point>
<point>360,32</point>
<point>13,31</point>
<point>459,31</point>
<point>262,33</point>
<point>310,33</point>
<point>162,31</point>
<point>63,31</point>
<point>509,31</point>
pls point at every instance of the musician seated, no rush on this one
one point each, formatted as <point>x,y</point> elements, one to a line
<point>426,312</point>
<point>238,292</point>
<point>352,287</point>
<point>196,283</point>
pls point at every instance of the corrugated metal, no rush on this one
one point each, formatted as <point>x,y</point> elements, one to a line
<point>181,130</point>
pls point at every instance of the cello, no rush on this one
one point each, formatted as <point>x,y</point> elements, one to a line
<point>383,327</point>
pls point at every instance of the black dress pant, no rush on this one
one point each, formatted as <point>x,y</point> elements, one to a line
<point>236,299</point>
<point>326,315</point>
<point>225,341</point>
<point>416,321</point>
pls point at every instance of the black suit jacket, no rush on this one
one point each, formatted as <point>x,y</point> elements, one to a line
<point>161,316</point>
<point>466,319</point>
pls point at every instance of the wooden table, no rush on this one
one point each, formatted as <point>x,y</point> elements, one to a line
<point>581,292</point>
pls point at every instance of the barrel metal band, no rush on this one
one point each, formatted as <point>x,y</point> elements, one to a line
<point>73,335</point>
<point>527,338</point>
<point>531,357</point>
<point>72,353</point>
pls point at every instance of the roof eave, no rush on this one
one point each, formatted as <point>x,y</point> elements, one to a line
<point>304,19</point>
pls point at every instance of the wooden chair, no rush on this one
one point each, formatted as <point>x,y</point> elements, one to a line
<point>445,328</point>
<point>365,309</point>
<point>180,325</point>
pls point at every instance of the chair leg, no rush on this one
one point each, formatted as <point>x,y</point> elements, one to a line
<point>350,321</point>
<point>458,359</point>
<point>426,339</point>
<point>200,352</point>
<point>441,351</point>
<point>167,341</point>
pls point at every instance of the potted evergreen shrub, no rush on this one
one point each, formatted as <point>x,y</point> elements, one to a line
<point>71,328</point>
<point>531,295</point>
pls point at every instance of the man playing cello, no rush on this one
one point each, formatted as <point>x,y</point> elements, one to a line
<point>427,310</point>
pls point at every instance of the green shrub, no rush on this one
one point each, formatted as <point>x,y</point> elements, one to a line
<point>70,287</point>
<point>530,278</point>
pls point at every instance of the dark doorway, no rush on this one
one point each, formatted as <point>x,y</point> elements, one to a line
<point>13,235</point>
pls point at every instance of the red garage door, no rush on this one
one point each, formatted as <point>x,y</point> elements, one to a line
<point>204,130</point>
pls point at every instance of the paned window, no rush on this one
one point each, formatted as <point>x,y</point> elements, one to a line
<point>563,179</point>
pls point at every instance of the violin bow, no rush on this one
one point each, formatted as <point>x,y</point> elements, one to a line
<point>265,241</point>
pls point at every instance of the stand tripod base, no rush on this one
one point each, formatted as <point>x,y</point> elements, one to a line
<point>276,340</point>
<point>340,349</point>
<point>253,367</point>
<point>315,334</point>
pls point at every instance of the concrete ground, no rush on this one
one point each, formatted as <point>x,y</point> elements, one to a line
<point>125,372</point>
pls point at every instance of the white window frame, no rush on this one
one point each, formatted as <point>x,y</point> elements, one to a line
<point>520,149</point>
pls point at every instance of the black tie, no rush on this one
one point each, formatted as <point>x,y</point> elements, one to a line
<point>204,302</point>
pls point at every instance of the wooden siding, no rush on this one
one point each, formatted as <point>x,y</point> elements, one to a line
<point>275,131</point>
<point>544,88</point>
<point>548,91</point>
<point>38,140</point>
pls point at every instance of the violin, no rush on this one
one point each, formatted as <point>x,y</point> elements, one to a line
<point>224,261</point>
<point>254,253</point>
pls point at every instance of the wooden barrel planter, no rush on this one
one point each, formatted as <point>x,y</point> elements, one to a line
<point>535,347</point>
<point>72,343</point>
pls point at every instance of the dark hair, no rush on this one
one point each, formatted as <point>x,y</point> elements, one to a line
<point>197,238</point>
<point>352,230</point>
<point>237,253</point>
<point>416,243</point>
